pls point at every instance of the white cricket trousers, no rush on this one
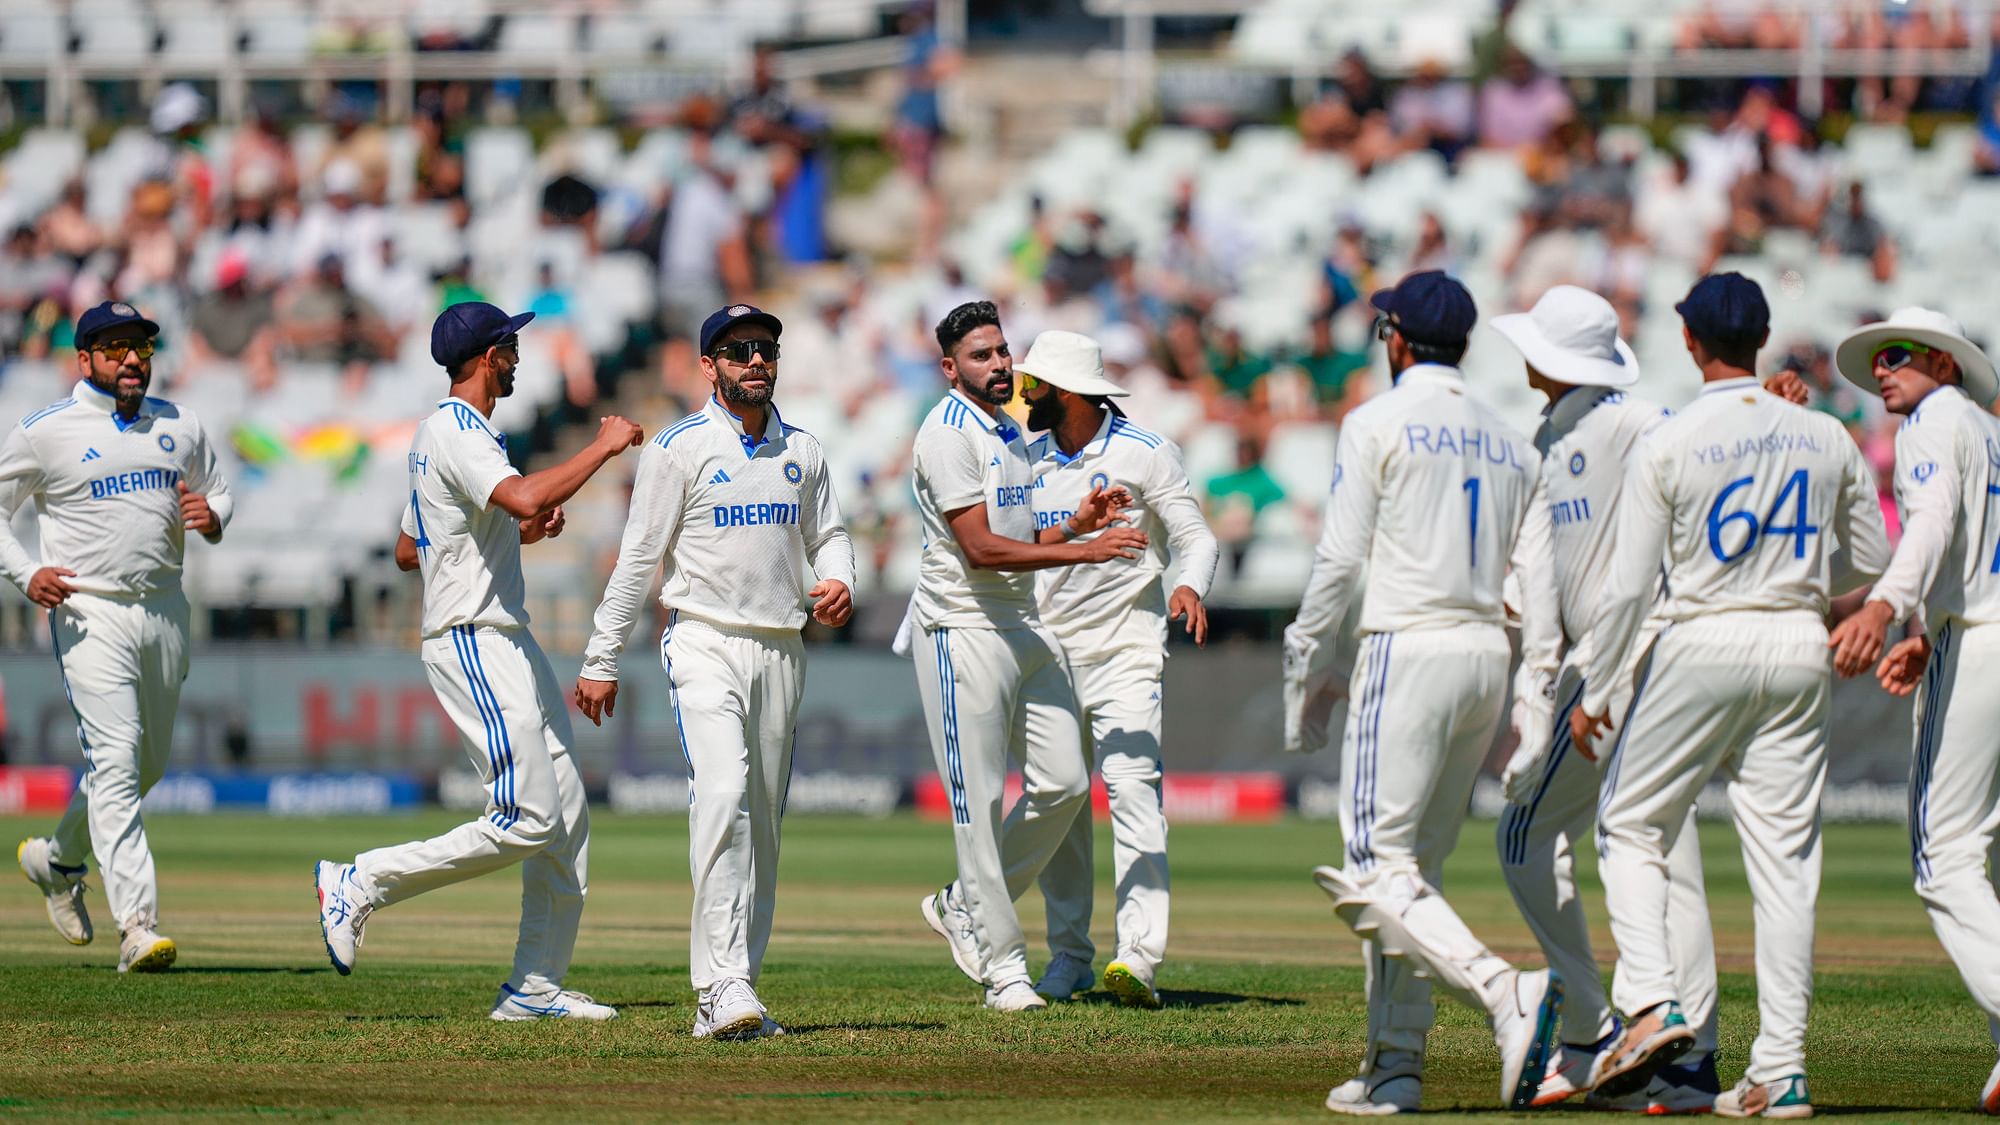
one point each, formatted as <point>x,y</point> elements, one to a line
<point>1424,705</point>
<point>1955,804</point>
<point>1746,694</point>
<point>1537,842</point>
<point>122,663</point>
<point>990,695</point>
<point>1120,702</point>
<point>736,699</point>
<point>499,690</point>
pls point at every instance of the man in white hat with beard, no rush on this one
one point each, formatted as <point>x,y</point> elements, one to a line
<point>1944,577</point>
<point>1112,621</point>
<point>1569,343</point>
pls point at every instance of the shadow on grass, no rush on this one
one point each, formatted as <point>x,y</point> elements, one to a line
<point>1193,998</point>
<point>221,970</point>
<point>888,1025</point>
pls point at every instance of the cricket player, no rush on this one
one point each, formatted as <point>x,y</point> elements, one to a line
<point>1745,497</point>
<point>470,514</point>
<point>742,504</point>
<point>1945,576</point>
<point>1112,622</point>
<point>1430,492</point>
<point>1590,430</point>
<point>994,682</point>
<point>118,480</point>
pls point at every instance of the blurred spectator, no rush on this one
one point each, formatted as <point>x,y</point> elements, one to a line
<point>1125,295</point>
<point>1986,150</point>
<point>1723,24</point>
<point>406,298</point>
<point>69,228</point>
<point>1522,104</point>
<point>1347,272</point>
<point>1765,197</point>
<point>359,141</point>
<point>321,320</point>
<point>1233,364</point>
<point>234,322</point>
<point>1680,217</point>
<point>28,274</point>
<point>1830,394</point>
<point>1851,232</point>
<point>790,139</point>
<point>1333,371</point>
<point>830,352</point>
<point>1433,250</point>
<point>555,330</point>
<point>1029,252</point>
<point>177,114</point>
<point>697,237</point>
<point>1077,262</point>
<point>919,123</point>
<point>260,159</point>
<point>1433,110</point>
<point>1358,86</point>
<point>340,224</point>
<point>1237,498</point>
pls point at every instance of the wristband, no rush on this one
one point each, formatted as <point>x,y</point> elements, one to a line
<point>1069,531</point>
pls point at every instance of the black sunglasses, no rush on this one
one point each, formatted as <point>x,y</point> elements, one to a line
<point>1383,326</point>
<point>740,351</point>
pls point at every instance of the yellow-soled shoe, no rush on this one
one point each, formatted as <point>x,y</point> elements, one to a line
<point>1131,989</point>
<point>142,950</point>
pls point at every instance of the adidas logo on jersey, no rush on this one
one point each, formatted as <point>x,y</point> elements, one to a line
<point>720,477</point>
<point>92,455</point>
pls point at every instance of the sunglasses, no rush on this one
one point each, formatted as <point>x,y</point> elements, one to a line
<point>741,351</point>
<point>1898,354</point>
<point>1030,383</point>
<point>116,352</point>
<point>1383,326</point>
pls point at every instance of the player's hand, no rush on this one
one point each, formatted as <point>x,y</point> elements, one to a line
<point>596,699</point>
<point>196,515</point>
<point>1186,603</point>
<point>1115,543</point>
<point>833,602</point>
<point>548,525</point>
<point>618,434</point>
<point>1533,723</point>
<point>1857,642</point>
<point>1788,386</point>
<point>1102,508</point>
<point>1904,666</point>
<point>46,587</point>
<point>1584,728</point>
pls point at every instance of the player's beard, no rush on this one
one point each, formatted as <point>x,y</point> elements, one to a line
<point>128,396</point>
<point>735,392</point>
<point>503,377</point>
<point>995,392</point>
<point>1045,413</point>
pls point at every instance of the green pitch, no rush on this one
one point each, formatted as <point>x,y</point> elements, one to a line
<point>1263,990</point>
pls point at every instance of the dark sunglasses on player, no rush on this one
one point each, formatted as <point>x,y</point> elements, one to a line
<point>740,351</point>
<point>1897,354</point>
<point>116,352</point>
<point>1383,326</point>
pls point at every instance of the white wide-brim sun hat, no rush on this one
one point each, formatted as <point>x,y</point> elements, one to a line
<point>1855,357</point>
<point>1571,336</point>
<point>1070,361</point>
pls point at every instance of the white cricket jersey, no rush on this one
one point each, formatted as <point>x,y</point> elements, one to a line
<point>1430,490</point>
<point>106,492</point>
<point>1100,610</point>
<point>1947,481</point>
<point>965,456</point>
<point>738,518</point>
<point>1747,499</point>
<point>1586,438</point>
<point>468,550</point>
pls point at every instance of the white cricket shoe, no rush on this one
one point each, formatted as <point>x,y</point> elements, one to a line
<point>729,1009</point>
<point>511,1006</point>
<point>1065,977</point>
<point>143,949</point>
<point>343,911</point>
<point>1568,1076</point>
<point>1645,1046</point>
<point>63,890</point>
<point>1525,1031</point>
<point>1780,1097</point>
<point>954,924</point>
<point>1372,1096</point>
<point>1015,996</point>
<point>1989,1095</point>
<point>1131,984</point>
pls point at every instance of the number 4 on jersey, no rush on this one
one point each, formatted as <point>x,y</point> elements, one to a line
<point>1797,490</point>
<point>417,513</point>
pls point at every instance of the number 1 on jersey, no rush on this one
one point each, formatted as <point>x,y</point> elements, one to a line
<point>1471,489</point>
<point>1994,490</point>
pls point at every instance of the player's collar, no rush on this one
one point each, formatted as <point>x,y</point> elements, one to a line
<point>774,425</point>
<point>1000,426</point>
<point>1431,373</point>
<point>1564,413</point>
<point>97,399</point>
<point>1740,382</point>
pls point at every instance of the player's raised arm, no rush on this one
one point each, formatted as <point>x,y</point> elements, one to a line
<point>528,496</point>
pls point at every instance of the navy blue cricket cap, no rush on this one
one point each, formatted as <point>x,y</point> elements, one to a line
<point>464,330</point>
<point>723,319</point>
<point>96,322</point>
<point>1429,307</point>
<point>1727,309</point>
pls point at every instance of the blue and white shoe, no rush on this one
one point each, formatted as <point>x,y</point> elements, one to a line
<point>1646,1045</point>
<point>1781,1097</point>
<point>1684,1089</point>
<point>512,1006</point>
<point>1525,1031</point>
<point>343,911</point>
<point>1569,1073</point>
<point>1065,977</point>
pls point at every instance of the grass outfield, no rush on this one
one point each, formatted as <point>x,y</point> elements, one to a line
<point>1263,988</point>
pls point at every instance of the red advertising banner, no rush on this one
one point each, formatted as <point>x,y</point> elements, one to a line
<point>35,789</point>
<point>1190,798</point>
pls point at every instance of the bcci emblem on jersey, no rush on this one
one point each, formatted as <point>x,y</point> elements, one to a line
<point>1576,464</point>
<point>167,442</point>
<point>793,473</point>
<point>1100,480</point>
